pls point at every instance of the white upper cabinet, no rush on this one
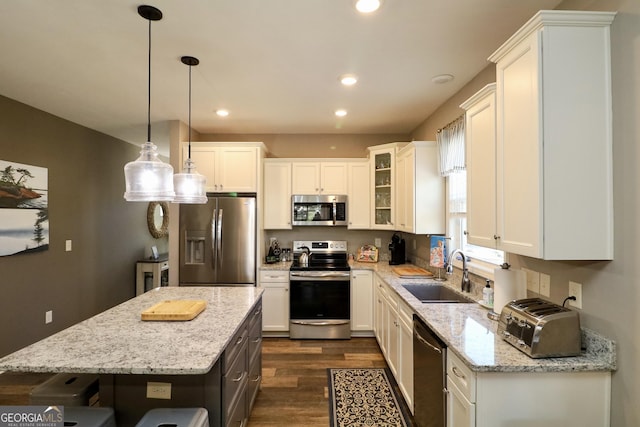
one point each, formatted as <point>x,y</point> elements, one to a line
<point>358,195</point>
<point>228,167</point>
<point>277,194</point>
<point>420,196</point>
<point>382,159</point>
<point>319,178</point>
<point>480,142</point>
<point>554,138</point>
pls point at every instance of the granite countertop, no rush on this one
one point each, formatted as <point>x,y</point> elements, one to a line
<point>276,266</point>
<point>471,335</point>
<point>118,342</point>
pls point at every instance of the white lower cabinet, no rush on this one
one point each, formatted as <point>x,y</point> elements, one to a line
<point>550,399</point>
<point>361,300</point>
<point>393,322</point>
<point>275,300</point>
<point>405,357</point>
<point>460,412</point>
<point>380,318</point>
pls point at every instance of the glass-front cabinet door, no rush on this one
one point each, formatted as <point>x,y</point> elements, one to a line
<point>383,158</point>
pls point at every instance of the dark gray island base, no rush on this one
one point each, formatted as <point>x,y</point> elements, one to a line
<point>212,361</point>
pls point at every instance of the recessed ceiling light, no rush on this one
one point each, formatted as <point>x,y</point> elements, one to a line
<point>222,113</point>
<point>348,79</point>
<point>367,6</point>
<point>341,113</point>
<point>442,78</point>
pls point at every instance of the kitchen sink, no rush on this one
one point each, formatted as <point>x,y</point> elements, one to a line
<point>436,293</point>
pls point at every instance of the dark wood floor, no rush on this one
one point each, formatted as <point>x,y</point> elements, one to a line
<point>294,383</point>
<point>294,379</point>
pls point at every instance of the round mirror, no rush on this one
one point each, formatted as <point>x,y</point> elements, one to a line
<point>158,219</point>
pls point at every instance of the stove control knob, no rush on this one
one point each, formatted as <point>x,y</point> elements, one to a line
<point>521,343</point>
<point>506,334</point>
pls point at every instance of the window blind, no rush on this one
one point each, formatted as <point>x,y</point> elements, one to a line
<point>450,141</point>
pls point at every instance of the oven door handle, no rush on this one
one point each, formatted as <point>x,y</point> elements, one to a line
<point>320,322</point>
<point>319,275</point>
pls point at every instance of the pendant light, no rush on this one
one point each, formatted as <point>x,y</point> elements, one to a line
<point>189,185</point>
<point>148,179</point>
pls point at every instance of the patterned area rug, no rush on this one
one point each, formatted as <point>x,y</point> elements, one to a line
<point>363,397</point>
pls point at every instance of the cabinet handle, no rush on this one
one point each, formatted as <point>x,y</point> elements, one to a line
<point>258,377</point>
<point>240,339</point>
<point>236,380</point>
<point>466,233</point>
<point>496,237</point>
<point>257,340</point>
<point>458,373</point>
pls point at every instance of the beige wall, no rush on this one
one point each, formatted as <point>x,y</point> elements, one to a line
<point>312,146</point>
<point>86,206</point>
<point>611,290</point>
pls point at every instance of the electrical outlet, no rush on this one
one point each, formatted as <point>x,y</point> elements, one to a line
<point>545,285</point>
<point>48,317</point>
<point>158,390</point>
<point>533,280</point>
<point>67,245</point>
<point>575,290</point>
<point>377,242</point>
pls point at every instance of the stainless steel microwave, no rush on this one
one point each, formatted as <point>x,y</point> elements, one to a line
<point>319,210</point>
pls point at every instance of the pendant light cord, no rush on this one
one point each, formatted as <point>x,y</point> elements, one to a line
<point>149,90</point>
<point>190,111</point>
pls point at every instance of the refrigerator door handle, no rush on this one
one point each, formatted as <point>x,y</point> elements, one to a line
<point>214,233</point>
<point>219,238</point>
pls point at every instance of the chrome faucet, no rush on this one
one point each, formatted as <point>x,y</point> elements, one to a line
<point>465,286</point>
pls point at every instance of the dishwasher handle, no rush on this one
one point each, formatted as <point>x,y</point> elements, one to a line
<point>425,342</point>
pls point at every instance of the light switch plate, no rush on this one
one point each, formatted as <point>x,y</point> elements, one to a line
<point>48,317</point>
<point>377,242</point>
<point>67,245</point>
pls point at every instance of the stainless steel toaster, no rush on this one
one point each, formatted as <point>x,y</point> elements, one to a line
<point>540,328</point>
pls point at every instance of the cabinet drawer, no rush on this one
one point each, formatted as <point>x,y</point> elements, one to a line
<point>234,382</point>
<point>406,312</point>
<point>238,344</point>
<point>255,377</point>
<point>274,276</point>
<point>256,315</point>
<point>255,336</point>
<point>237,414</point>
<point>461,376</point>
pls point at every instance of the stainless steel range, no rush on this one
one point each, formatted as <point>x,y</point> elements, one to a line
<point>319,297</point>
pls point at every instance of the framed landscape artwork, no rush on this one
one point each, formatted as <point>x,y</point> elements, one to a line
<point>24,208</point>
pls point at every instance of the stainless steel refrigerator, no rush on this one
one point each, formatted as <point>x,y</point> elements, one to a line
<point>218,241</point>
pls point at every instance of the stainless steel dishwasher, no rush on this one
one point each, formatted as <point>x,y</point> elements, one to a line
<point>429,370</point>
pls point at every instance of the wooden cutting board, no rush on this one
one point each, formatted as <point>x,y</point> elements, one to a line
<point>174,310</point>
<point>411,272</point>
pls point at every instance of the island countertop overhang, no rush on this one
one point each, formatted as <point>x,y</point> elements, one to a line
<point>117,341</point>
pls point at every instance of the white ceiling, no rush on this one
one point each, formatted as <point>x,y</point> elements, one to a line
<point>273,63</point>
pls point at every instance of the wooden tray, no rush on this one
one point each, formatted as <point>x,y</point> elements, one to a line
<point>411,272</point>
<point>173,310</point>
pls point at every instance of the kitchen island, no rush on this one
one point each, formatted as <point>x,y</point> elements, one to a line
<point>189,359</point>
